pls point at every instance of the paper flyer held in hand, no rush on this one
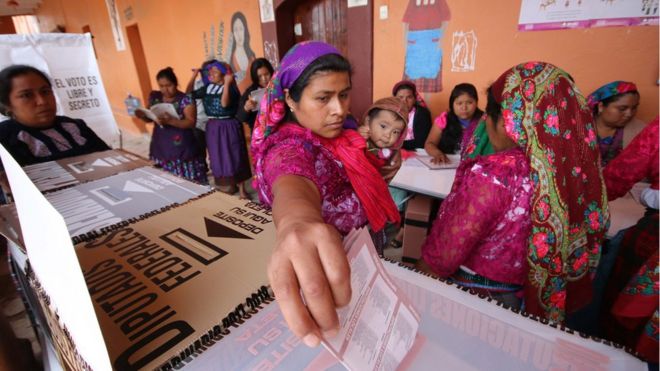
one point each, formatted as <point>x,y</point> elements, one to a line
<point>158,110</point>
<point>379,325</point>
<point>256,96</point>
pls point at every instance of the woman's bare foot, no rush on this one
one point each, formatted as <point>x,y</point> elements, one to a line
<point>242,193</point>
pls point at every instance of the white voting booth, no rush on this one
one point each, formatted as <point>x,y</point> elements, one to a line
<point>70,62</point>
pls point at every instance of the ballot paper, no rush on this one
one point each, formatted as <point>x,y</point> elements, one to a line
<point>452,162</point>
<point>52,175</point>
<point>379,326</point>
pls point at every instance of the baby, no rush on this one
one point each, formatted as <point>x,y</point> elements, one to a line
<point>384,126</point>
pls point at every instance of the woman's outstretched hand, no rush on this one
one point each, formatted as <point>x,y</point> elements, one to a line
<point>308,270</point>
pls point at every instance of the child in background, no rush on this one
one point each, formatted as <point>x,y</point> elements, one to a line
<point>225,139</point>
<point>383,128</point>
<point>453,126</point>
<point>173,145</point>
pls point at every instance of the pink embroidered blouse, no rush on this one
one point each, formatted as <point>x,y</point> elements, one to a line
<point>484,224</point>
<point>303,155</point>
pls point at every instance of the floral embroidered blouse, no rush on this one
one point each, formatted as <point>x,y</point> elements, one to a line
<point>638,161</point>
<point>485,224</point>
<point>303,155</point>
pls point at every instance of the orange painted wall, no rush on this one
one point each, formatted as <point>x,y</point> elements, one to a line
<point>592,56</point>
<point>171,33</point>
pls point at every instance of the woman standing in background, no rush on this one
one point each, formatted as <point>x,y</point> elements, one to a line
<point>173,145</point>
<point>225,139</point>
<point>260,71</point>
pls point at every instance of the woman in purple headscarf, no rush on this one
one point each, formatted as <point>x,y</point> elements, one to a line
<point>319,182</point>
<point>225,139</point>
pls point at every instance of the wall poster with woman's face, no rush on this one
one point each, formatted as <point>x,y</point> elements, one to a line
<point>239,53</point>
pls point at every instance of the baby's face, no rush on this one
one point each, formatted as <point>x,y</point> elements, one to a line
<point>385,129</point>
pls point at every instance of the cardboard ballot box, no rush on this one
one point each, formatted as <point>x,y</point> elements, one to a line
<point>145,292</point>
<point>93,205</point>
<point>174,283</point>
<point>416,225</point>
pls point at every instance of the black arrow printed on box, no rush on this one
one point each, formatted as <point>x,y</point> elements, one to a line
<point>214,229</point>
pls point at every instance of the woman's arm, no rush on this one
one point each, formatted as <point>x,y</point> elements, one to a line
<point>308,257</point>
<point>389,170</point>
<point>246,107</point>
<point>633,164</point>
<point>139,114</point>
<point>225,101</point>
<point>465,218</point>
<point>191,83</point>
<point>188,121</point>
<point>431,145</point>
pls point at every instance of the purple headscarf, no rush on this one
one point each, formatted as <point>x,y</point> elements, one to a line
<point>273,109</point>
<point>219,65</point>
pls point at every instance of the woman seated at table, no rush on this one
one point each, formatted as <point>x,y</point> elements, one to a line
<point>34,133</point>
<point>614,105</point>
<point>419,117</point>
<point>531,209</point>
<point>453,127</point>
<point>629,313</point>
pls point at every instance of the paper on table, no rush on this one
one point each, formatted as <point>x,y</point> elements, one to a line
<point>379,325</point>
<point>452,162</point>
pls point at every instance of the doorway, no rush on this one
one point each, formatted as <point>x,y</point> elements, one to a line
<point>350,30</point>
<point>322,20</point>
<point>140,60</point>
<point>87,29</point>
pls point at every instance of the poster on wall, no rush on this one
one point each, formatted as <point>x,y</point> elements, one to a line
<point>354,3</point>
<point>624,13</point>
<point>266,10</point>
<point>113,13</point>
<point>424,25</point>
<point>76,79</point>
<point>463,51</point>
<point>538,15</point>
